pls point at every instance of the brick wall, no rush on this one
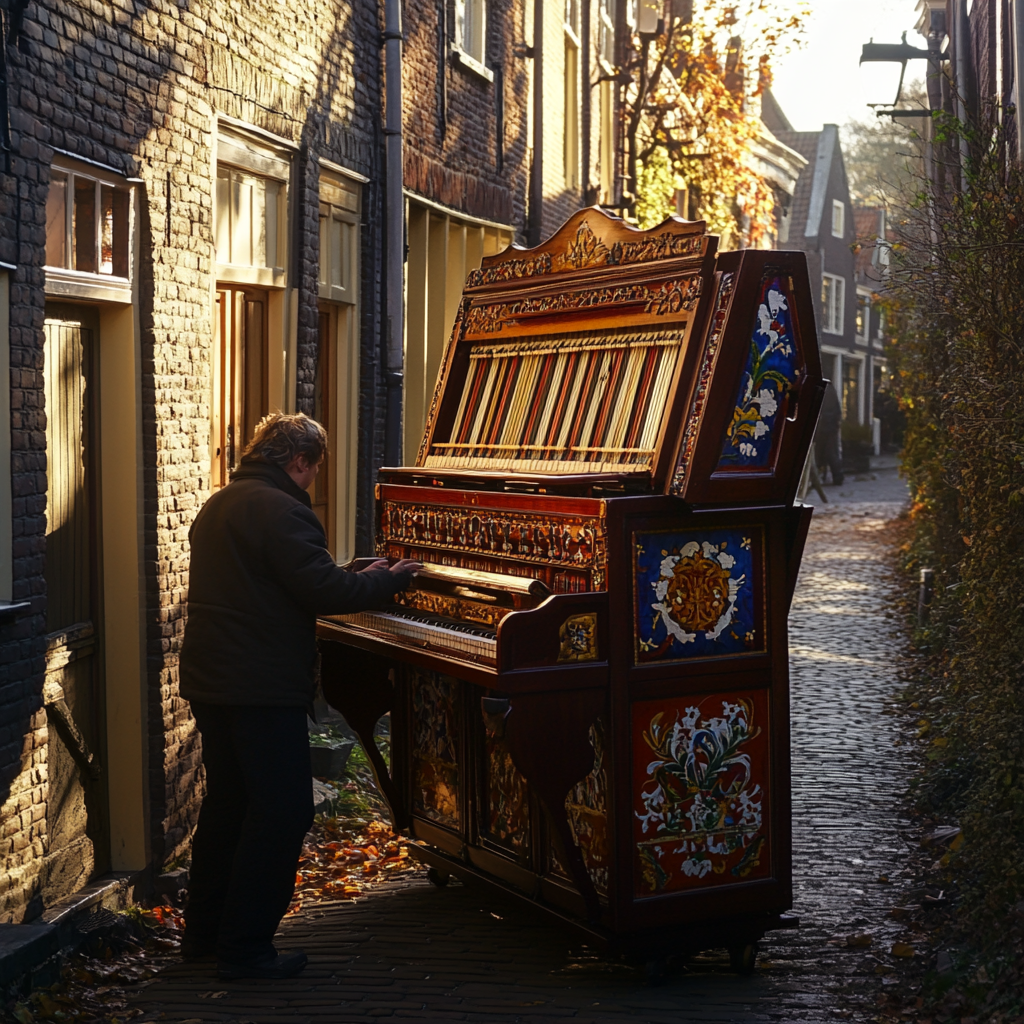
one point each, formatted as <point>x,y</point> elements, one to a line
<point>458,152</point>
<point>136,86</point>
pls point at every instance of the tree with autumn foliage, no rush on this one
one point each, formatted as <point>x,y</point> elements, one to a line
<point>691,111</point>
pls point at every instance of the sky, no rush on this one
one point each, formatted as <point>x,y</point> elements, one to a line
<point>821,82</point>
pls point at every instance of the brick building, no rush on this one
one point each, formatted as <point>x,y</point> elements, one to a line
<point>192,212</point>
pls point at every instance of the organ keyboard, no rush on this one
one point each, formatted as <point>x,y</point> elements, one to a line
<point>588,682</point>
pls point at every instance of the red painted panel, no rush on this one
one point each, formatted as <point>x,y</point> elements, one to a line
<point>700,792</point>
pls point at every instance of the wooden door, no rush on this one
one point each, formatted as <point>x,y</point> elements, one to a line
<point>78,847</point>
<point>240,398</point>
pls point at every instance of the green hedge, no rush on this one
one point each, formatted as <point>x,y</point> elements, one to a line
<point>957,311</point>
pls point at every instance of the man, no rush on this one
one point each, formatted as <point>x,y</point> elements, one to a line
<point>260,573</point>
<point>826,436</point>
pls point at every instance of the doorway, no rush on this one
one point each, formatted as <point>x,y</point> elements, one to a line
<point>77,825</point>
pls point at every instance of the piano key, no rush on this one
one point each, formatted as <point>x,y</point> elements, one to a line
<point>407,627</point>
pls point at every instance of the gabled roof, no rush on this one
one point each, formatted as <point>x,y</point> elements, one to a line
<point>806,144</point>
<point>772,115</point>
<point>821,149</point>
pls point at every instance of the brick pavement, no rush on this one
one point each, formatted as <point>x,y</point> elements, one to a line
<point>461,954</point>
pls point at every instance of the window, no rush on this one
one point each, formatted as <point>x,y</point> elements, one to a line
<point>443,249</point>
<point>251,338</point>
<point>881,323</point>
<point>339,238</point>
<point>336,383</point>
<point>833,303</point>
<point>606,34</point>
<point>571,98</point>
<point>249,210</point>
<point>471,28</point>
<point>863,317</point>
<point>607,144</point>
<point>572,16</point>
<point>838,218</point>
<point>87,224</point>
<point>851,389</point>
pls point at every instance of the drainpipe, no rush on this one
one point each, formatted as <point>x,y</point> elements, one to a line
<point>962,43</point>
<point>537,167</point>
<point>1018,73</point>
<point>394,239</point>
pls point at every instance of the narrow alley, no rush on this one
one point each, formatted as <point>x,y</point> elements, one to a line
<point>414,952</point>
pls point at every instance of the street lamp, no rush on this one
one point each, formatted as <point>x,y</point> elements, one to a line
<point>899,53</point>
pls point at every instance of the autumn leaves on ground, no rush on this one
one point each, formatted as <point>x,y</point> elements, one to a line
<point>343,856</point>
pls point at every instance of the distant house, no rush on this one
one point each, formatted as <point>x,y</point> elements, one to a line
<point>871,266</point>
<point>821,222</point>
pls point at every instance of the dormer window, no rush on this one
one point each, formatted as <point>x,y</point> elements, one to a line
<point>838,218</point>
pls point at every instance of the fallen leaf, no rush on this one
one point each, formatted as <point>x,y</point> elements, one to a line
<point>860,940</point>
<point>901,949</point>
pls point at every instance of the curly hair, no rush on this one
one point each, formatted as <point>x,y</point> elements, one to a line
<point>280,437</point>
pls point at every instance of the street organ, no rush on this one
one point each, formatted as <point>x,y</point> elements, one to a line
<point>588,682</point>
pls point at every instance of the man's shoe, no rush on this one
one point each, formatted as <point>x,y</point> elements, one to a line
<point>197,949</point>
<point>284,965</point>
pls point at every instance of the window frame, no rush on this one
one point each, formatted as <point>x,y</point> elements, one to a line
<point>863,333</point>
<point>243,153</point>
<point>838,207</point>
<point>68,282</point>
<point>834,308</point>
<point>571,98</point>
<point>333,186</point>
<point>471,57</point>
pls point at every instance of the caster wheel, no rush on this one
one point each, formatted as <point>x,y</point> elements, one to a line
<point>438,878</point>
<point>743,958</point>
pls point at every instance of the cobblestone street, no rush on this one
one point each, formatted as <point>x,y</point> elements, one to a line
<point>411,951</point>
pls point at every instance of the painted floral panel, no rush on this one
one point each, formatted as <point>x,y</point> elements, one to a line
<point>697,593</point>
<point>435,760</point>
<point>508,802</point>
<point>700,792</point>
<point>769,376</point>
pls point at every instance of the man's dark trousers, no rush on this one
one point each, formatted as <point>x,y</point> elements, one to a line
<point>257,809</point>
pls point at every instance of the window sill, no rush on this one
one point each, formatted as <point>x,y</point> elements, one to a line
<point>76,284</point>
<point>261,277</point>
<point>471,64</point>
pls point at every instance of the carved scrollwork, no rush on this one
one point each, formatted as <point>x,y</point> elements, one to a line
<point>660,299</point>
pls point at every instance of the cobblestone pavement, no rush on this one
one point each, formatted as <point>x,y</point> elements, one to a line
<point>461,954</point>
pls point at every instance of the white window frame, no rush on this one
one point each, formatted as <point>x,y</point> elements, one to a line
<point>838,218</point>
<point>340,207</point>
<point>66,283</point>
<point>247,153</point>
<point>833,301</point>
<point>470,45</point>
<point>864,335</point>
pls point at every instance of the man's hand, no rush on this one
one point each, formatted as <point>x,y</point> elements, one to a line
<point>409,565</point>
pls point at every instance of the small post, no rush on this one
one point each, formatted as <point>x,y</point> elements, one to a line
<point>924,596</point>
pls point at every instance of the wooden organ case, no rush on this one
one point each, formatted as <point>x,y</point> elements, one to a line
<point>589,681</point>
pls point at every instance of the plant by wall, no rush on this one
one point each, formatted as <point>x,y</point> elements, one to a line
<point>958,315</point>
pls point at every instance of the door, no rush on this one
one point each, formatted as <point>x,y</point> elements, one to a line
<point>240,397</point>
<point>78,847</point>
